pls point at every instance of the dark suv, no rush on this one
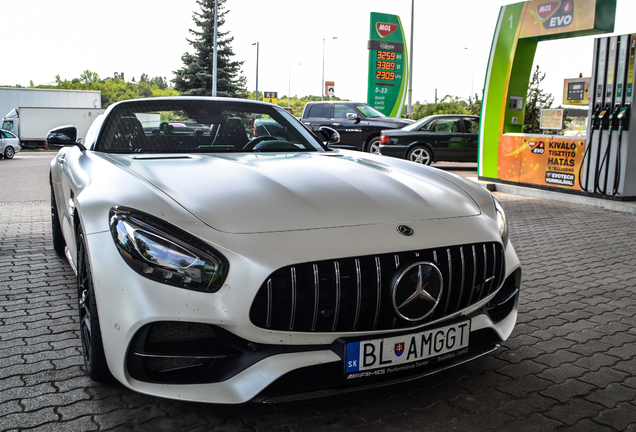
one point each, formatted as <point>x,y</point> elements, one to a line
<point>359,124</point>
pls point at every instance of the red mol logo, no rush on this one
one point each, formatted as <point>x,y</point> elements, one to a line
<point>385,29</point>
<point>546,9</point>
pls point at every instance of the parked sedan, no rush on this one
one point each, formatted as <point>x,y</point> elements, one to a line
<point>225,266</point>
<point>9,144</point>
<point>436,138</point>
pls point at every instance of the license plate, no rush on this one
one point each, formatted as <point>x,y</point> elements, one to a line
<point>393,352</point>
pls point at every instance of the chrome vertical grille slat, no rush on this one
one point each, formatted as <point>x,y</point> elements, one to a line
<point>358,293</point>
<point>461,284</point>
<point>472,285</point>
<point>352,294</point>
<point>378,296</point>
<point>337,311</point>
<point>450,278</point>
<point>316,296</point>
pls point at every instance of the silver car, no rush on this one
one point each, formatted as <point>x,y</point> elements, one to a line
<point>9,144</point>
<point>224,262</point>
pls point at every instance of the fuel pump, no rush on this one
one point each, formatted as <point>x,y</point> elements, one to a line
<point>609,163</point>
<point>606,124</point>
<point>623,124</point>
<point>591,159</point>
<point>612,157</point>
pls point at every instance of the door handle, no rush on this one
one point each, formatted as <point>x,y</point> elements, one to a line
<point>336,124</point>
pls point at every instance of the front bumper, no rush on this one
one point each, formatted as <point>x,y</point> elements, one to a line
<point>274,373</point>
<point>238,361</point>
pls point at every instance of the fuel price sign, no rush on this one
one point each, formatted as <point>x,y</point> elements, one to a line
<point>387,65</point>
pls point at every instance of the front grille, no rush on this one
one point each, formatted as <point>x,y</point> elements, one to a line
<point>354,294</point>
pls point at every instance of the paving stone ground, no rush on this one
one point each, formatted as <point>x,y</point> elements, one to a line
<point>569,366</point>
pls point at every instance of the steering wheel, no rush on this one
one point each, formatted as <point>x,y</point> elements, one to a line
<point>254,141</point>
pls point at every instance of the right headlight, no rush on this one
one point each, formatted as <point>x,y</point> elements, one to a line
<point>502,221</point>
<point>164,253</point>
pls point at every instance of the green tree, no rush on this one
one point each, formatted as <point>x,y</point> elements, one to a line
<point>88,77</point>
<point>195,77</point>
<point>474,105</point>
<point>536,100</point>
<point>447,105</point>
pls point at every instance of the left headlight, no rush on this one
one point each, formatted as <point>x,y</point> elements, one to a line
<point>502,221</point>
<point>164,253</point>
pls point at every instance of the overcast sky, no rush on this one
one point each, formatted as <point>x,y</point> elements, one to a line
<point>452,41</point>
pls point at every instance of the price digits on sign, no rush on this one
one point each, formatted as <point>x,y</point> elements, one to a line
<point>384,66</point>
<point>383,75</point>
<point>385,55</point>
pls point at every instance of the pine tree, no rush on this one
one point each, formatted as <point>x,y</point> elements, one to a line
<point>195,77</point>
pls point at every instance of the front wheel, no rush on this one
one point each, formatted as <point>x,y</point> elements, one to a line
<point>9,152</point>
<point>92,345</point>
<point>374,146</point>
<point>421,155</point>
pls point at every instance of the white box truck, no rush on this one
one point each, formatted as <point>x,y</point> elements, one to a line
<point>12,97</point>
<point>31,125</point>
<point>17,105</point>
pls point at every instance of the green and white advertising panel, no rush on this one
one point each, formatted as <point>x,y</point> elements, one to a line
<point>505,152</point>
<point>388,65</point>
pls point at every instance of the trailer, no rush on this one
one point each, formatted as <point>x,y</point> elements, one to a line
<point>12,97</point>
<point>32,125</point>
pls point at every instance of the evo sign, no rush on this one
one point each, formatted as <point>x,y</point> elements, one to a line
<point>547,19</point>
<point>388,71</point>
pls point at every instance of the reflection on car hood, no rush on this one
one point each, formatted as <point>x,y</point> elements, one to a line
<point>249,193</point>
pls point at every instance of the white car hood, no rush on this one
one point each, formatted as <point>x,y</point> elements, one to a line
<point>258,193</point>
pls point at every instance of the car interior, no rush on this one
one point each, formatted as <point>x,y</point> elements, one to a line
<point>202,126</point>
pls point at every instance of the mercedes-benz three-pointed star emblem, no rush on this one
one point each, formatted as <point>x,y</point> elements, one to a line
<point>417,291</point>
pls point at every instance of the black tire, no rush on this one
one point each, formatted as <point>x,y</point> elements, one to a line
<point>92,345</point>
<point>374,146</point>
<point>56,230</point>
<point>9,152</point>
<point>421,155</point>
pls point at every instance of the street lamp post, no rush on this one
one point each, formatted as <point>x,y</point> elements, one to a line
<point>322,84</point>
<point>472,76</point>
<point>256,91</point>
<point>409,106</point>
<point>214,61</point>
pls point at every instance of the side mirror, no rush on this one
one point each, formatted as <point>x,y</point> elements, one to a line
<point>63,136</point>
<point>328,135</point>
<point>352,116</point>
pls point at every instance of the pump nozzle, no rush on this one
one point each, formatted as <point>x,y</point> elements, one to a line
<point>622,117</point>
<point>596,119</point>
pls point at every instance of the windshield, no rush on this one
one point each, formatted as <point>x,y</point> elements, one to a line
<point>191,125</point>
<point>368,111</point>
<point>417,125</point>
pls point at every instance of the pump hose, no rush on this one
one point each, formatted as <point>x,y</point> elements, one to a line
<point>604,161</point>
<point>617,170</point>
<point>587,154</point>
